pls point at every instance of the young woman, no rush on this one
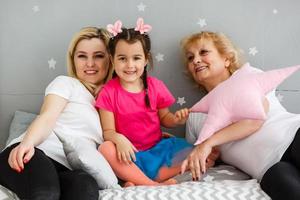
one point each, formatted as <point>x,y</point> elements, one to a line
<point>34,165</point>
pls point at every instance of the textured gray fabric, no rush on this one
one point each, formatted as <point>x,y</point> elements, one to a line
<point>19,124</point>
<point>218,173</point>
<point>222,182</point>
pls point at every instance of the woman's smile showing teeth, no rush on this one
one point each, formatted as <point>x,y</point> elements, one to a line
<point>130,72</point>
<point>91,72</point>
<point>200,68</point>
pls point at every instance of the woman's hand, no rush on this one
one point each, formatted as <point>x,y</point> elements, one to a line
<point>196,161</point>
<point>181,116</point>
<point>20,155</point>
<point>125,149</point>
<point>213,156</point>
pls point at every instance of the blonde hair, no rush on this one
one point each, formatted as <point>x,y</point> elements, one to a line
<point>87,33</point>
<point>223,44</point>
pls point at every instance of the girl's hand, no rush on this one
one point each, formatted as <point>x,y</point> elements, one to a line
<point>196,161</point>
<point>181,116</point>
<point>20,155</point>
<point>125,149</point>
<point>167,135</point>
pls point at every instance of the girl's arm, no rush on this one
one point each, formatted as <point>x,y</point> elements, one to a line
<point>170,120</point>
<point>236,131</point>
<point>38,131</point>
<point>167,135</point>
<point>125,149</point>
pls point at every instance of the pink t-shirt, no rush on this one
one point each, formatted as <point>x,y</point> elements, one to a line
<point>140,124</point>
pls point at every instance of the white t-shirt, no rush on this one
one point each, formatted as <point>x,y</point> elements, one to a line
<point>79,118</point>
<point>259,151</point>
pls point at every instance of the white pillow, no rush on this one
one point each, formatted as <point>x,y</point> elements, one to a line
<point>7,194</point>
<point>83,154</point>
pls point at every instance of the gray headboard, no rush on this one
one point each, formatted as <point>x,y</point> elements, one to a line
<point>35,34</point>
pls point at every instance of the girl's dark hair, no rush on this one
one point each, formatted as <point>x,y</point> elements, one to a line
<point>131,36</point>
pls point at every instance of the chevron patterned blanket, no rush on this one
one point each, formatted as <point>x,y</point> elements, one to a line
<point>221,182</point>
<point>191,190</point>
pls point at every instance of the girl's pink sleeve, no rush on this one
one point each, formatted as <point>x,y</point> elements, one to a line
<point>164,98</point>
<point>104,100</point>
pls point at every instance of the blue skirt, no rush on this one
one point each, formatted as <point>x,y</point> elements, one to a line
<point>167,152</point>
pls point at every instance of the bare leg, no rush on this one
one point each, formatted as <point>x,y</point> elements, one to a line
<point>127,172</point>
<point>166,173</point>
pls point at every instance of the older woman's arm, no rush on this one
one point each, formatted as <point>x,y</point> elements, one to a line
<point>196,161</point>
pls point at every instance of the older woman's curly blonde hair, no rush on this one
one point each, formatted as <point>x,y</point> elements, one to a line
<point>223,44</point>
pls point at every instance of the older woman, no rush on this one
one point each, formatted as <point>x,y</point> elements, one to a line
<point>267,150</point>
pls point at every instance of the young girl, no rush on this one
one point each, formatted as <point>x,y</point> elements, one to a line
<point>274,143</point>
<point>132,107</point>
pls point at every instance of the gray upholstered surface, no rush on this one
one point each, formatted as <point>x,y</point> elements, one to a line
<point>19,124</point>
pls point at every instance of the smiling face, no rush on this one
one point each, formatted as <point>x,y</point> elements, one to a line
<point>129,62</point>
<point>207,66</point>
<point>91,61</point>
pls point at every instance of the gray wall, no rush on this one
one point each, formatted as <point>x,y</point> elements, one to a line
<point>36,31</point>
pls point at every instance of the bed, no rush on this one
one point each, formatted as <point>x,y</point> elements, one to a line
<point>220,182</point>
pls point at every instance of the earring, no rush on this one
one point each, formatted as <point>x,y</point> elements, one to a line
<point>227,64</point>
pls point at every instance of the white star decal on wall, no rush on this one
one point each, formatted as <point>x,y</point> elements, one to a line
<point>253,51</point>
<point>208,178</point>
<point>280,97</point>
<point>181,101</point>
<point>275,11</point>
<point>141,7</point>
<point>51,63</point>
<point>159,57</point>
<point>202,22</point>
<point>36,9</point>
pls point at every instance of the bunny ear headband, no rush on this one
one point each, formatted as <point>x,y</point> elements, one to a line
<point>116,28</point>
<point>141,27</point>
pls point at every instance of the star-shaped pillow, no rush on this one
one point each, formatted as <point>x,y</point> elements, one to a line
<point>239,97</point>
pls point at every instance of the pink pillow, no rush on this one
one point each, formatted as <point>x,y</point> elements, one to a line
<point>239,97</point>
